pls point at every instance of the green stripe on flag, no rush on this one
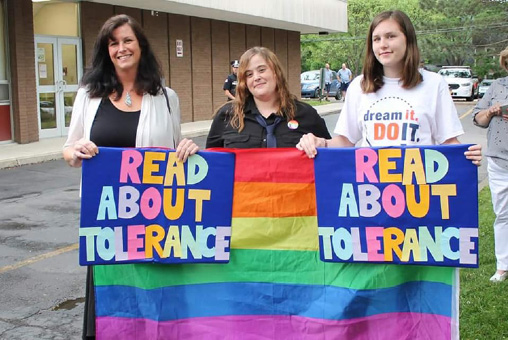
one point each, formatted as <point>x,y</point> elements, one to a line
<point>291,267</point>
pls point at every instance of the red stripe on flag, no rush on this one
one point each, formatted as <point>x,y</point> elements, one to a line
<point>280,165</point>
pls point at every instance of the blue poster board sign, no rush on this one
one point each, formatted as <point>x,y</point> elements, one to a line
<point>401,205</point>
<point>143,205</point>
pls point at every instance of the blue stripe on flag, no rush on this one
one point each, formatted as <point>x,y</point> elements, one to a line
<point>251,298</point>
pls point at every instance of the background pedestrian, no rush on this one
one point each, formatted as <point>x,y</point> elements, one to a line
<point>491,112</point>
<point>231,81</point>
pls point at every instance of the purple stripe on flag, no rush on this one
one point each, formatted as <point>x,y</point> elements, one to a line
<point>246,327</point>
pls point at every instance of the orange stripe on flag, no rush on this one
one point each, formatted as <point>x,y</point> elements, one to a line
<point>274,199</point>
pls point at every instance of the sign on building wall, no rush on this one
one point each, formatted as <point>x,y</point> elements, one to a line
<point>179,48</point>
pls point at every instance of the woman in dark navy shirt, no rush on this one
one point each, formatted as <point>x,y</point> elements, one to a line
<point>264,113</point>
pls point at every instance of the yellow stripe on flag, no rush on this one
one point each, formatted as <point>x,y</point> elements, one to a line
<point>282,233</point>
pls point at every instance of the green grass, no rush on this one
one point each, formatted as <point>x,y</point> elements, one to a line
<point>313,102</point>
<point>483,304</point>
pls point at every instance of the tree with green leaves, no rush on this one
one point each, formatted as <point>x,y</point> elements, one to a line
<point>450,32</point>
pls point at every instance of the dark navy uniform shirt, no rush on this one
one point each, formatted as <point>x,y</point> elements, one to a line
<point>253,135</point>
<point>230,84</point>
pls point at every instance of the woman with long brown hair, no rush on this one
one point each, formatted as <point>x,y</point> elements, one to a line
<point>122,103</point>
<point>394,103</point>
<point>264,112</point>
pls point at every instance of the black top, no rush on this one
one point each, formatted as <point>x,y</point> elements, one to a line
<point>113,127</point>
<point>253,135</point>
<point>230,84</point>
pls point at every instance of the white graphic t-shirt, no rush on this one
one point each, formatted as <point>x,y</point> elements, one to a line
<point>394,116</point>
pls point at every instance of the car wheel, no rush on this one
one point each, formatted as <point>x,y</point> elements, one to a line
<point>471,98</point>
<point>317,93</point>
<point>338,95</point>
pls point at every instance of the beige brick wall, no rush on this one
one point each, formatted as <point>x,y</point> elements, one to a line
<point>281,48</point>
<point>135,13</point>
<point>201,68</point>
<point>181,68</point>
<point>156,29</point>
<point>236,40</point>
<point>268,38</point>
<point>22,67</point>
<point>220,61</point>
<point>93,16</point>
<point>252,36</point>
<point>294,63</point>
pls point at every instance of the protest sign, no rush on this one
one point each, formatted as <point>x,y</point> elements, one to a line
<point>143,205</point>
<point>401,205</point>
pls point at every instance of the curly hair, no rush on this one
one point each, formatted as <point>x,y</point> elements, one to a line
<point>287,105</point>
<point>101,79</point>
<point>372,68</point>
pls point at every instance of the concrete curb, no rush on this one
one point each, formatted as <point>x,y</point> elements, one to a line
<point>26,160</point>
<point>56,155</point>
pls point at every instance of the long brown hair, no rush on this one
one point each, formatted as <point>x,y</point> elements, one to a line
<point>101,79</point>
<point>287,105</point>
<point>372,68</point>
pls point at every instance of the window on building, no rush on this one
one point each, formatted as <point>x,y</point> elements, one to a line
<point>4,77</point>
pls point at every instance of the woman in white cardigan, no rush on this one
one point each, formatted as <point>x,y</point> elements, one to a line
<point>122,103</point>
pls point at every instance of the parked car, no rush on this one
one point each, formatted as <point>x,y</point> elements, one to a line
<point>460,80</point>
<point>476,84</point>
<point>310,85</point>
<point>484,85</point>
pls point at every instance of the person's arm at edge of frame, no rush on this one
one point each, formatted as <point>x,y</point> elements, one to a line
<point>483,112</point>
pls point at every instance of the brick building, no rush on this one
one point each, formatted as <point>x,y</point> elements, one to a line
<point>46,44</point>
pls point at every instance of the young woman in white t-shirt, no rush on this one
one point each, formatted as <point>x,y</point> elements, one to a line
<point>393,103</point>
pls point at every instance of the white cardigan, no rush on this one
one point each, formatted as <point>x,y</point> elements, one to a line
<point>156,127</point>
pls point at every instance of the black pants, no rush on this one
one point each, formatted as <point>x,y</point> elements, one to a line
<point>89,317</point>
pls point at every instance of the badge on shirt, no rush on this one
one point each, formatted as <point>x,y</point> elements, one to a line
<point>293,124</point>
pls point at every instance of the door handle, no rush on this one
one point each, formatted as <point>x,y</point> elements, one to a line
<point>60,85</point>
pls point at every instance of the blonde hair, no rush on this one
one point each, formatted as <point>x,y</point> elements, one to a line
<point>503,59</point>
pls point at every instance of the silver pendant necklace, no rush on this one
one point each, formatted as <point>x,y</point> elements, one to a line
<point>128,99</point>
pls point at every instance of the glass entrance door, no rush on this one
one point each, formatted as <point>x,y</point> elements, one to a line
<point>58,68</point>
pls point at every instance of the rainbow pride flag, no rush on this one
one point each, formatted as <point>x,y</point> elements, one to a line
<point>275,286</point>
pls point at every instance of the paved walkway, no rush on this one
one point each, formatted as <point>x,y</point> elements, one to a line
<point>14,154</point>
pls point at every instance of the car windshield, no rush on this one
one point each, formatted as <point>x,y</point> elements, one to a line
<point>455,73</point>
<point>310,76</point>
<point>486,83</point>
